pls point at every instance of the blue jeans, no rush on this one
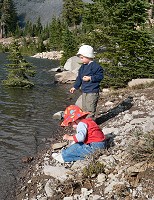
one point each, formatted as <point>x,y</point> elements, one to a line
<point>79,151</point>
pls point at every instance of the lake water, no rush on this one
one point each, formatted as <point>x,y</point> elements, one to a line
<point>26,119</point>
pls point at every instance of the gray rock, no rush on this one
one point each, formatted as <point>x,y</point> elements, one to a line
<point>127,117</point>
<point>73,64</point>
<point>68,198</point>
<point>59,145</point>
<point>65,77</point>
<point>138,121</point>
<point>60,173</point>
<point>139,81</point>
<point>59,115</point>
<point>110,130</point>
<point>101,178</point>
<point>48,188</point>
<point>58,69</point>
<point>148,126</point>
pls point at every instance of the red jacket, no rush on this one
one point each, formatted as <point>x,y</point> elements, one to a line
<point>94,133</point>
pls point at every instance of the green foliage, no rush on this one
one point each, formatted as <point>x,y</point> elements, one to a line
<point>72,12</point>
<point>28,30</point>
<point>18,32</point>
<point>69,45</point>
<point>45,32</point>
<point>19,70</point>
<point>28,46</point>
<point>40,45</point>
<point>38,27</point>
<point>8,18</point>
<point>55,34</point>
<point>94,167</point>
<point>120,27</point>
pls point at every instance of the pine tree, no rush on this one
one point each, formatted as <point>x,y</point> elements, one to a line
<point>8,18</point>
<point>40,45</point>
<point>120,26</point>
<point>69,45</point>
<point>28,30</point>
<point>55,32</point>
<point>72,12</point>
<point>18,32</point>
<point>37,28</point>
<point>19,70</point>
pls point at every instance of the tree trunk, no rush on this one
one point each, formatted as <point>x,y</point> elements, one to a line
<point>2,30</point>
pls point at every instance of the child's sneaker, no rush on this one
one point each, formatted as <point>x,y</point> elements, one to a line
<point>58,157</point>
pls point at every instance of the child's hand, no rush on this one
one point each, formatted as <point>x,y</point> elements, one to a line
<point>72,90</point>
<point>65,137</point>
<point>86,78</point>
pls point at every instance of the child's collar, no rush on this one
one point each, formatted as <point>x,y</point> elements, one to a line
<point>90,62</point>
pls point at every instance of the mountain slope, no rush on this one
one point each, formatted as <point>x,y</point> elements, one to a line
<point>32,9</point>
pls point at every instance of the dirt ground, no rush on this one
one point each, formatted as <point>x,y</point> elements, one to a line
<point>119,97</point>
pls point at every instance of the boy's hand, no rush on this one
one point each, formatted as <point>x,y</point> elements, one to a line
<point>72,90</point>
<point>86,78</point>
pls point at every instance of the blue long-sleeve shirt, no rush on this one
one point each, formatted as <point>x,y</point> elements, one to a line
<point>94,70</point>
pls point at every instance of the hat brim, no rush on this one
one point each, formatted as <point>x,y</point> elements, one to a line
<point>79,54</point>
<point>70,120</point>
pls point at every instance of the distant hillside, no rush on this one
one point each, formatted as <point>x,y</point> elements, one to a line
<point>32,9</point>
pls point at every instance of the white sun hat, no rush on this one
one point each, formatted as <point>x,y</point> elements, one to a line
<point>87,51</point>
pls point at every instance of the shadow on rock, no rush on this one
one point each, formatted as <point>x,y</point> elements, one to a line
<point>124,105</point>
<point>110,140</point>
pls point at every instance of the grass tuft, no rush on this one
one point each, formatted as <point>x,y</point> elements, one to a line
<point>143,147</point>
<point>94,168</point>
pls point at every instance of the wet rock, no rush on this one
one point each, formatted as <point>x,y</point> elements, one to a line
<point>58,145</point>
<point>59,115</point>
<point>27,159</point>
<point>65,77</point>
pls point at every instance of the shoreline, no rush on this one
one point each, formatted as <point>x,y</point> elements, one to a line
<point>39,181</point>
<point>51,55</point>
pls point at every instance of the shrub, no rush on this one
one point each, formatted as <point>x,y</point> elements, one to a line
<point>94,168</point>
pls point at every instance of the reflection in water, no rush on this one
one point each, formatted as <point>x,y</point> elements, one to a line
<point>26,119</point>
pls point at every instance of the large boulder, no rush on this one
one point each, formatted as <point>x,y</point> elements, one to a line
<point>71,68</point>
<point>65,77</point>
<point>73,64</point>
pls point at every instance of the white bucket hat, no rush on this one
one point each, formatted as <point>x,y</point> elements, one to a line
<point>87,51</point>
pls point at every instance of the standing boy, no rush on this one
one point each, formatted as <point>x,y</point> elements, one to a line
<point>89,77</point>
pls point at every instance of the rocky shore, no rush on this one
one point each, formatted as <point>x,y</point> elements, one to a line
<point>124,171</point>
<point>52,55</point>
